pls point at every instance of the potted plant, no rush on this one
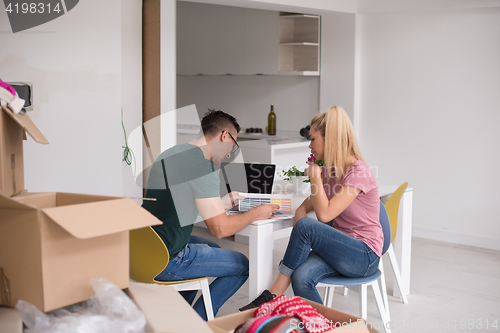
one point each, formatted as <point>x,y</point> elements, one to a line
<point>297,180</point>
<point>300,184</point>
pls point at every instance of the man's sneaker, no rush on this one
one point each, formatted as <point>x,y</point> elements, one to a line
<point>266,296</point>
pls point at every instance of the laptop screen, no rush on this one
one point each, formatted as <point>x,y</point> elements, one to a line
<point>246,177</point>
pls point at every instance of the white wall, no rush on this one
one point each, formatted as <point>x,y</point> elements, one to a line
<point>248,98</point>
<point>74,63</point>
<point>131,74</point>
<point>338,34</point>
<point>168,73</point>
<point>429,115</point>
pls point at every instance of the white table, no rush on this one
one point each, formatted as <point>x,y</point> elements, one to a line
<point>262,234</point>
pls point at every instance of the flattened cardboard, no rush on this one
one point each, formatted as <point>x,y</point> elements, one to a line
<point>11,155</point>
<point>27,124</point>
<point>13,130</point>
<point>166,310</point>
<point>350,323</point>
<point>46,264</point>
<point>10,321</point>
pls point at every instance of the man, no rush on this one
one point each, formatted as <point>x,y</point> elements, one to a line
<point>184,182</point>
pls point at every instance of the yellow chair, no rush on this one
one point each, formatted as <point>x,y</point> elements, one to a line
<point>149,256</point>
<point>392,207</point>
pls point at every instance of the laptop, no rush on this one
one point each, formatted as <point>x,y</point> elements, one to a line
<point>246,178</point>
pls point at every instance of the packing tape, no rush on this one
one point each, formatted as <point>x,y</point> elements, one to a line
<point>4,288</point>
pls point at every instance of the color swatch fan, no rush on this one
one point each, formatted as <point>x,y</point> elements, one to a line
<point>253,200</point>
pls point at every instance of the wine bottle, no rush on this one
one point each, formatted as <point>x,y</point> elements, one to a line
<point>271,122</point>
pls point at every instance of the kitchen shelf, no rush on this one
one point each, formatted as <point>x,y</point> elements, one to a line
<point>299,44</point>
<point>296,16</point>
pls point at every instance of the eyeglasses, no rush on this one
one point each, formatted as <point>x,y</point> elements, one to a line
<point>236,146</point>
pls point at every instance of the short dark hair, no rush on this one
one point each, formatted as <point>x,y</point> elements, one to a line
<point>216,121</point>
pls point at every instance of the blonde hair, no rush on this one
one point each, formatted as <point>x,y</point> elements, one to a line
<point>340,140</point>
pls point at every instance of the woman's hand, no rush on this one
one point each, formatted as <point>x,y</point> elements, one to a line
<point>313,170</point>
<point>229,202</point>
<point>302,210</point>
<point>299,213</point>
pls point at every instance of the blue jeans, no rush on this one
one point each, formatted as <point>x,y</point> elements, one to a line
<point>333,253</point>
<point>201,257</point>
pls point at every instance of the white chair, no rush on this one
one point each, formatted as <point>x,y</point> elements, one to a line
<point>360,285</point>
<point>392,207</point>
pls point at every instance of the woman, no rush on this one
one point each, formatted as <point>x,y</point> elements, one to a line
<point>347,238</point>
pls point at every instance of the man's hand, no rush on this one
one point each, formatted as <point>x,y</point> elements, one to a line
<point>265,211</point>
<point>228,203</point>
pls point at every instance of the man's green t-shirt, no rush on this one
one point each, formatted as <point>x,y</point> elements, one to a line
<point>179,175</point>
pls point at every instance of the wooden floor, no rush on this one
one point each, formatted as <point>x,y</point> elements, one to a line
<point>454,288</point>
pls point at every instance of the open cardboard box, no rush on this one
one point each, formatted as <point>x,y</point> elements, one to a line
<point>13,128</point>
<point>52,244</point>
<point>350,323</point>
<point>167,311</point>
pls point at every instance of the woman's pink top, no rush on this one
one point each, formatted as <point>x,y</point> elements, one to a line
<point>361,218</point>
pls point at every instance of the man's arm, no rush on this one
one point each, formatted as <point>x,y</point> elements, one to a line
<point>231,199</point>
<point>222,225</point>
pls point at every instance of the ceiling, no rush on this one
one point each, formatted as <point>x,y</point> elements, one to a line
<point>355,6</point>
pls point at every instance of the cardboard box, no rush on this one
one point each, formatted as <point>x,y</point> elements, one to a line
<point>10,321</point>
<point>12,132</point>
<point>165,309</point>
<point>52,244</point>
<point>353,324</point>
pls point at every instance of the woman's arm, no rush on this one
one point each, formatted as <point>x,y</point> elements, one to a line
<point>304,208</point>
<point>326,210</point>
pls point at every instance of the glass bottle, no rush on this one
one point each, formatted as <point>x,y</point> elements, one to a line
<point>271,122</point>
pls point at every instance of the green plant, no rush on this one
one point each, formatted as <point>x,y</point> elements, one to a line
<point>128,154</point>
<point>292,172</point>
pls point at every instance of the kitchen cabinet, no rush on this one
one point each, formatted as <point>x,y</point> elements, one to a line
<point>222,40</point>
<point>299,44</point>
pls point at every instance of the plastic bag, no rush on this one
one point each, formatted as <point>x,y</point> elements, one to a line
<point>109,311</point>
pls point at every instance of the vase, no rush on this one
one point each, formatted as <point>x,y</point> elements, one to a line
<point>299,187</point>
